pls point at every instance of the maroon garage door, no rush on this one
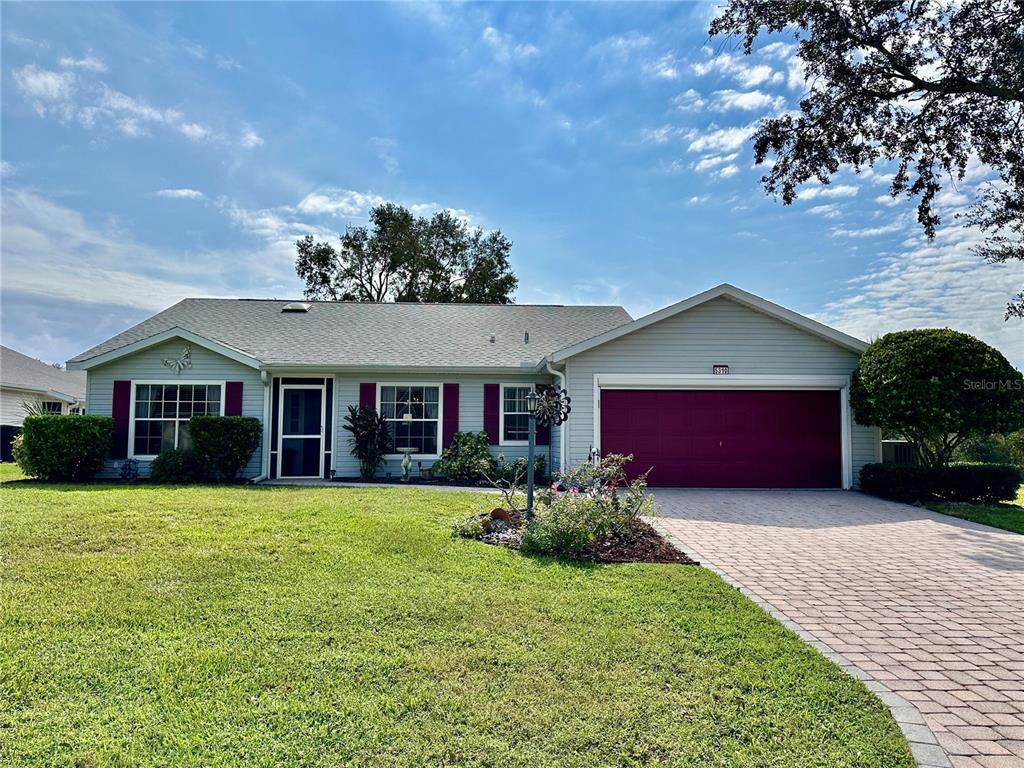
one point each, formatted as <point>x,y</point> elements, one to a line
<point>726,438</point>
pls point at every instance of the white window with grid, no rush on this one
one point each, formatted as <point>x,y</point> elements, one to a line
<point>413,412</point>
<point>161,412</point>
<point>515,414</point>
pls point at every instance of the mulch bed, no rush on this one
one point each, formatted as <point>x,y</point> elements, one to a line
<point>639,543</point>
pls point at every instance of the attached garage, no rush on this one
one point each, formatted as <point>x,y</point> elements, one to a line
<point>726,438</point>
<point>721,390</point>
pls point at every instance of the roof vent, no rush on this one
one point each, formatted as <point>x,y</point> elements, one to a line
<point>296,306</point>
<point>492,338</point>
<point>526,337</point>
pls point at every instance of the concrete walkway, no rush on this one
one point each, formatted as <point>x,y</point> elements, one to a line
<point>926,608</point>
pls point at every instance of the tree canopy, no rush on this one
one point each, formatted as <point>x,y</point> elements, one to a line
<point>929,85</point>
<point>403,257</point>
<point>937,388</point>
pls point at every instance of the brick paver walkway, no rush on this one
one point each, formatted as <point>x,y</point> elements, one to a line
<point>924,605</point>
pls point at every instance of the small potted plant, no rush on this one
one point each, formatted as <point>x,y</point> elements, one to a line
<point>426,473</point>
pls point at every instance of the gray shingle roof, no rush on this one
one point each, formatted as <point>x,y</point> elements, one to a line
<point>23,372</point>
<point>370,335</point>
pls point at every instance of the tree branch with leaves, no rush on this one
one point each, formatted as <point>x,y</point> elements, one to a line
<point>927,85</point>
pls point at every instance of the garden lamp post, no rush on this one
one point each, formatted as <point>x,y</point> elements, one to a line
<point>531,406</point>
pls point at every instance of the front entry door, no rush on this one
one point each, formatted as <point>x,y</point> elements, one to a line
<point>301,452</point>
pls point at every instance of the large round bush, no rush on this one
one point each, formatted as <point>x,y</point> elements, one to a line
<point>937,388</point>
<point>53,447</point>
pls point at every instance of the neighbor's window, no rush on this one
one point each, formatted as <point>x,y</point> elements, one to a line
<point>414,415</point>
<point>162,412</point>
<point>51,406</point>
<point>515,415</point>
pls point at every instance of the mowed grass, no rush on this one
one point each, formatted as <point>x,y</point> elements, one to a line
<point>1008,516</point>
<point>211,626</point>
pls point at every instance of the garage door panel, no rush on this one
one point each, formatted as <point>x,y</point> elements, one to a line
<point>726,438</point>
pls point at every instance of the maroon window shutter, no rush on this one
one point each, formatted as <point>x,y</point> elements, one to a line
<point>233,398</point>
<point>543,430</point>
<point>492,413</point>
<point>450,423</point>
<point>121,409</point>
<point>368,395</point>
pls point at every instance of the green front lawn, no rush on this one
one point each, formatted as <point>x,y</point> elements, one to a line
<point>1007,516</point>
<point>208,626</point>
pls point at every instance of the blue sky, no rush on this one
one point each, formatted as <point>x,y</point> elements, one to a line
<point>152,152</point>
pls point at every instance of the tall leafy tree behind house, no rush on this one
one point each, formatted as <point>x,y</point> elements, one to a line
<point>403,257</point>
<point>926,84</point>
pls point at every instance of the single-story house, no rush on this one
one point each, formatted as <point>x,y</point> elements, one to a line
<point>723,389</point>
<point>27,381</point>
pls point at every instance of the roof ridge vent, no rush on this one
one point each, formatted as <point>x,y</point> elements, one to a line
<point>297,307</point>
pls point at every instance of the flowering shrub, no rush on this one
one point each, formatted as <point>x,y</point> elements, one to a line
<point>585,502</point>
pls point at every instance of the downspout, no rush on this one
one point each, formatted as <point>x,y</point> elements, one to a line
<point>561,429</point>
<point>266,379</point>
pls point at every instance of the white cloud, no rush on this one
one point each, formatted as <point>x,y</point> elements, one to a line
<point>713,161</point>
<point>194,50</point>
<point>689,101</point>
<point>665,68</point>
<point>385,149</point>
<point>180,194</point>
<point>6,169</point>
<point>779,51</point>
<point>738,67</point>
<point>620,48</point>
<point>697,200</point>
<point>25,42</point>
<point>43,239</point>
<point>251,139</point>
<point>227,64</point>
<point>661,135</point>
<point>727,171</point>
<point>884,229</point>
<point>720,139</point>
<point>505,48</point>
<point>828,190</point>
<point>745,100</point>
<point>44,88</point>
<point>830,211</point>
<point>936,284</point>
<point>87,63</point>
<point>194,131</point>
<point>339,202</point>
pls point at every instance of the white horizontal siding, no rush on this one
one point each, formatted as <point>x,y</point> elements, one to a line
<point>471,414</point>
<point>147,366</point>
<point>720,331</point>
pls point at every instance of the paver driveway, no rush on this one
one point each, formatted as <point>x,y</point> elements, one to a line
<point>929,606</point>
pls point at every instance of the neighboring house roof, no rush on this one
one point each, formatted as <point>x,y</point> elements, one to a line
<point>364,335</point>
<point>18,371</point>
<point>727,291</point>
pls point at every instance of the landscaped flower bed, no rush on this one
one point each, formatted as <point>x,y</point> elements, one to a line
<point>589,513</point>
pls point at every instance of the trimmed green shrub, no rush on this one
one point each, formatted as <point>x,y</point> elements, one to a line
<point>467,459</point>
<point>899,482</point>
<point>977,482</point>
<point>957,482</point>
<point>370,439</point>
<point>63,448</point>
<point>224,444</point>
<point>937,388</point>
<point>177,466</point>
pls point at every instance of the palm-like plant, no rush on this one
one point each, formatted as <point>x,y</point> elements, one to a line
<point>370,440</point>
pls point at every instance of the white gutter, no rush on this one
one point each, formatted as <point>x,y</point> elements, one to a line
<point>561,429</point>
<point>266,378</point>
